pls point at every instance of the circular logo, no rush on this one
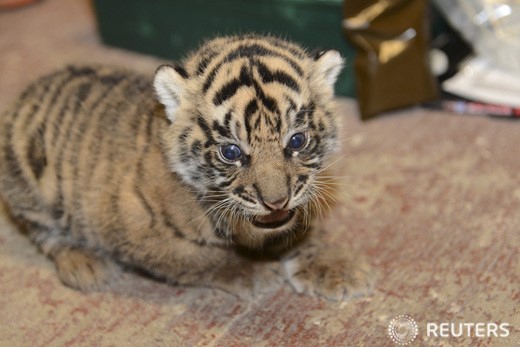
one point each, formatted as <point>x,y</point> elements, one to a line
<point>403,330</point>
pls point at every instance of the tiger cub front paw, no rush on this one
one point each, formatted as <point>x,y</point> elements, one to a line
<point>250,281</point>
<point>84,270</point>
<point>328,273</point>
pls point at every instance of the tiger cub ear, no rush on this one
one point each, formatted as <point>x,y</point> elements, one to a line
<point>328,65</point>
<point>170,85</point>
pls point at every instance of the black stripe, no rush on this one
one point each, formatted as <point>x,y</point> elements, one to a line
<point>292,104</point>
<point>241,192</point>
<point>206,129</point>
<point>149,130</point>
<point>181,71</point>
<point>269,102</point>
<point>298,189</point>
<point>115,214</point>
<point>259,50</point>
<point>210,78</point>
<point>57,209</point>
<point>227,91</point>
<point>329,114</point>
<point>139,178</point>
<point>302,179</point>
<point>305,116</point>
<point>113,79</point>
<point>203,64</point>
<point>228,182</point>
<point>138,192</point>
<point>184,135</point>
<point>223,131</point>
<point>311,123</point>
<point>196,148</point>
<point>251,108</point>
<point>248,199</point>
<point>317,54</point>
<point>169,224</point>
<point>277,76</point>
<point>11,161</point>
<point>238,126</point>
<point>82,125</point>
<point>45,84</point>
<point>316,148</point>
<point>82,93</point>
<point>99,126</point>
<point>57,206</point>
<point>321,126</point>
<point>312,166</point>
<point>227,119</point>
<point>230,88</point>
<point>39,88</point>
<point>299,120</point>
<point>249,51</point>
<point>257,123</point>
<point>78,97</point>
<point>52,103</point>
<point>35,152</point>
<point>81,70</point>
<point>36,226</point>
<point>209,162</point>
<point>179,234</point>
<point>246,160</point>
<point>185,157</point>
<point>278,125</point>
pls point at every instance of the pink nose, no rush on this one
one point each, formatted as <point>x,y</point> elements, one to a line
<point>276,205</point>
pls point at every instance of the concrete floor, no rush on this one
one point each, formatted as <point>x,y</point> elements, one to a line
<point>432,199</point>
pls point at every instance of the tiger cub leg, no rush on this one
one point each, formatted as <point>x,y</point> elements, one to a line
<point>77,267</point>
<point>84,269</point>
<point>224,269</point>
<point>328,271</point>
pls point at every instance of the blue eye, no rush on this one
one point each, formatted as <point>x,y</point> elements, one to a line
<point>297,141</point>
<point>231,152</point>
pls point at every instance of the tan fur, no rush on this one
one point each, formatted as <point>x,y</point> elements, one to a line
<point>101,173</point>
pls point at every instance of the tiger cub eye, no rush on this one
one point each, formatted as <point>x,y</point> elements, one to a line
<point>297,141</point>
<point>231,152</point>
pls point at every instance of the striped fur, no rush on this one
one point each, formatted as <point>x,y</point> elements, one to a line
<point>100,167</point>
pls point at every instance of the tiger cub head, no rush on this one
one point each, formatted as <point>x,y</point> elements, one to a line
<point>252,128</point>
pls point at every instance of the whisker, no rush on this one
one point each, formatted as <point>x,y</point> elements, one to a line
<point>332,163</point>
<point>328,194</point>
<point>210,210</point>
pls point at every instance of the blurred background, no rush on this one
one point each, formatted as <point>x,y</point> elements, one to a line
<point>455,54</point>
<point>460,56</point>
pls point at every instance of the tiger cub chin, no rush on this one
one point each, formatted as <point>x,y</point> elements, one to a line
<point>176,176</point>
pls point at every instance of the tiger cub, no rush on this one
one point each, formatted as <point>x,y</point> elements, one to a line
<point>177,177</point>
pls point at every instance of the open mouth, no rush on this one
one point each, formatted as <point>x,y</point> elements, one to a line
<point>273,220</point>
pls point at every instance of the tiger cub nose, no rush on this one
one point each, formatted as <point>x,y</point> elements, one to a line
<point>276,205</point>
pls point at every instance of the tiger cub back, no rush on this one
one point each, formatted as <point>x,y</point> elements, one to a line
<point>224,150</point>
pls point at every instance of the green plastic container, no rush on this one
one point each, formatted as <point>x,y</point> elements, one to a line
<point>170,28</point>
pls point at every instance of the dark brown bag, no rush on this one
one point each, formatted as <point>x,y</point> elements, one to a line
<point>391,65</point>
